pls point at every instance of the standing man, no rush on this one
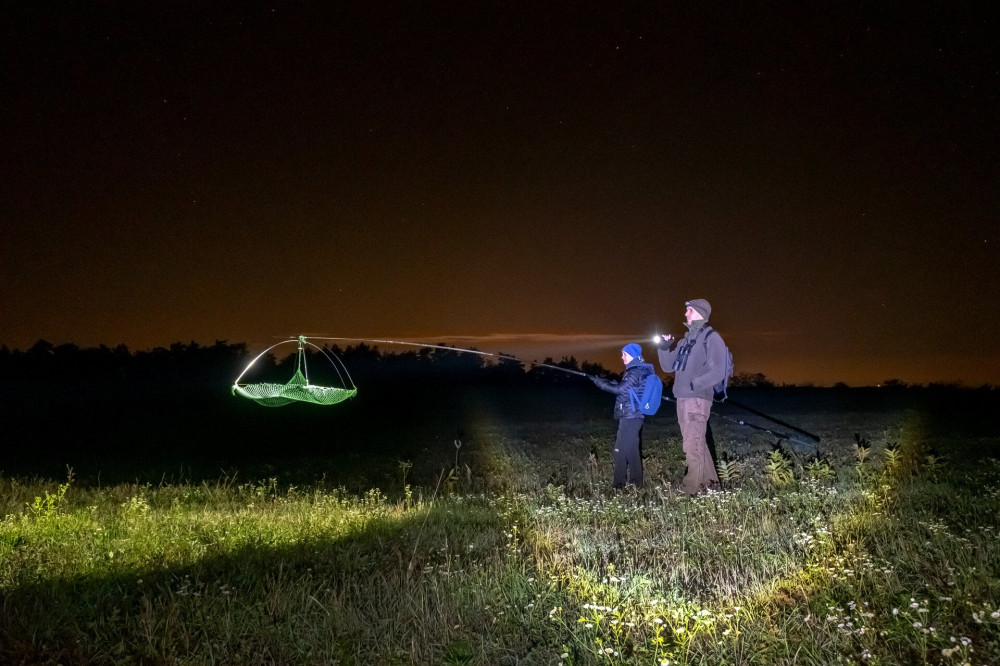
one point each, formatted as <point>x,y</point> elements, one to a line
<point>698,362</point>
<point>626,454</point>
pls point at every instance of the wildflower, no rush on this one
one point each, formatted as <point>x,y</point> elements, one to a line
<point>918,624</point>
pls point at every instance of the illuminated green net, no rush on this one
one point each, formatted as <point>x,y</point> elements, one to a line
<point>298,388</point>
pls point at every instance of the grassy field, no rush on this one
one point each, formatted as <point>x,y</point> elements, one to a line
<point>494,537</point>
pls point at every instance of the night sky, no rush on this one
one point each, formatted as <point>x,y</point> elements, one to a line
<point>825,174</point>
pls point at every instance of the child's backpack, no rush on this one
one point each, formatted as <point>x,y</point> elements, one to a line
<point>723,385</point>
<point>652,394</point>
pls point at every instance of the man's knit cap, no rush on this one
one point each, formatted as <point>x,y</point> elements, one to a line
<point>701,306</point>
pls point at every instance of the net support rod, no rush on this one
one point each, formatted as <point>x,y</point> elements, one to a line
<point>258,357</point>
<point>340,369</point>
<point>458,349</point>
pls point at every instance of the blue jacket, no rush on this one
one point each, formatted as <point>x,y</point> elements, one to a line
<point>634,379</point>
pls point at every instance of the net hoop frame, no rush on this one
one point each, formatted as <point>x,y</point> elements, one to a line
<point>275,394</point>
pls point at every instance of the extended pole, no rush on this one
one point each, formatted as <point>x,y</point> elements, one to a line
<point>553,367</point>
<point>507,357</point>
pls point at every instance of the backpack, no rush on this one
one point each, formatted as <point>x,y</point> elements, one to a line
<point>723,385</point>
<point>652,392</point>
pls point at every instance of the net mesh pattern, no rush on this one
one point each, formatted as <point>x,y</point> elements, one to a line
<point>296,390</point>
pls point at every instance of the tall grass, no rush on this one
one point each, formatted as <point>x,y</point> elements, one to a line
<point>885,557</point>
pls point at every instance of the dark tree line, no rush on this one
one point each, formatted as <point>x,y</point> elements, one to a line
<point>66,370</point>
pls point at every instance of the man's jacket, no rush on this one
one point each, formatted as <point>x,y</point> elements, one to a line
<point>706,363</point>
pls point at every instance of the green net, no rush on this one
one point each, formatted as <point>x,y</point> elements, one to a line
<point>297,389</point>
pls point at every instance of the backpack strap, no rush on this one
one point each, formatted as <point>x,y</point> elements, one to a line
<point>708,330</point>
<point>633,399</point>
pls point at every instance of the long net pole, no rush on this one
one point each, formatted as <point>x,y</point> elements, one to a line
<point>508,357</point>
